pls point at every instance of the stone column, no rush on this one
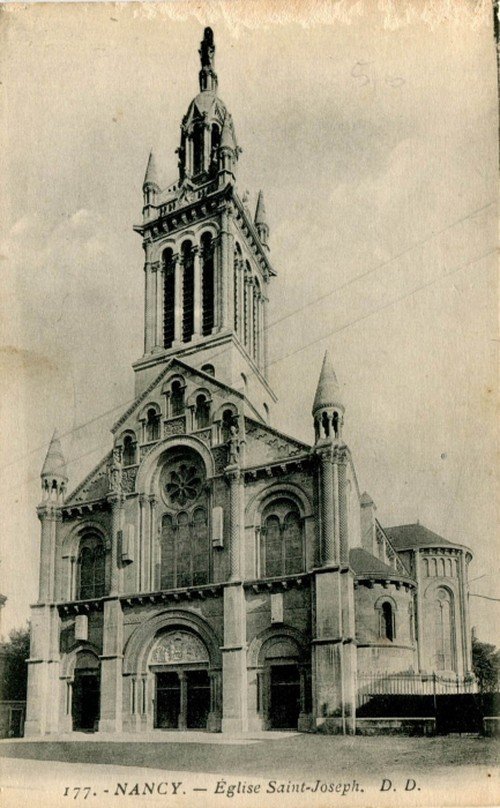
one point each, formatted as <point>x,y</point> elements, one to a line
<point>111,668</point>
<point>49,516</point>
<point>464,602</point>
<point>178,278</point>
<point>143,536</point>
<point>241,301</point>
<point>343,509</point>
<point>328,550</point>
<point>44,686</point>
<point>265,360</point>
<point>233,475</point>
<point>116,500</point>
<point>419,632</point>
<point>226,267</point>
<point>149,308</point>
<point>198,302</point>
<point>160,302</point>
<point>152,541</point>
<point>183,705</point>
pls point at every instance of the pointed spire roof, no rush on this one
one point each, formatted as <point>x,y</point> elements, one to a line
<point>151,176</point>
<point>227,135</point>
<point>328,390</point>
<point>260,210</point>
<point>55,464</point>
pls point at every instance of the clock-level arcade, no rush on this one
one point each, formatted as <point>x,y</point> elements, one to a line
<point>212,572</point>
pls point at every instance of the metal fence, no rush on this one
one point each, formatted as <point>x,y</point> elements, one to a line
<point>412,684</point>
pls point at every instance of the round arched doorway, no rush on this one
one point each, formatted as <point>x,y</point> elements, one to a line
<point>185,690</point>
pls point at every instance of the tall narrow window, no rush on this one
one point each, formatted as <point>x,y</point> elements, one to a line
<point>91,568</point>
<point>202,412</point>
<point>129,454</point>
<point>169,299</point>
<point>227,423</point>
<point>201,547</point>
<point>282,545</point>
<point>177,398</point>
<point>152,425</point>
<point>443,631</point>
<point>387,621</point>
<point>215,143</point>
<point>207,281</point>
<point>255,319</point>
<point>188,291</point>
<point>198,148</point>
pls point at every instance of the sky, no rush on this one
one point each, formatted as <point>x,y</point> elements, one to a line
<point>371,129</point>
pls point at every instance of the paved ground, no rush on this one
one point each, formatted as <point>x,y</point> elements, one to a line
<point>440,771</point>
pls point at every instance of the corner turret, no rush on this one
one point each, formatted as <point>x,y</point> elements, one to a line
<point>53,474</point>
<point>260,220</point>
<point>328,408</point>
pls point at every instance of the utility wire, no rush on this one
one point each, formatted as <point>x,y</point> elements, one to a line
<point>285,317</point>
<point>341,328</point>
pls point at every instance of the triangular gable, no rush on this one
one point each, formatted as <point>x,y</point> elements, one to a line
<point>265,444</point>
<point>206,378</point>
<point>94,486</point>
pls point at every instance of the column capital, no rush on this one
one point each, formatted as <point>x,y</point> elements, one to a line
<point>155,266</point>
<point>116,498</point>
<point>232,473</point>
<point>49,510</point>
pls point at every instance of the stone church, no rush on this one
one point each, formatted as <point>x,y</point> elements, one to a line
<point>212,572</point>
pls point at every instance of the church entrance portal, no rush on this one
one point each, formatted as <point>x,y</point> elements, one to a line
<point>182,699</point>
<point>183,693</point>
<point>86,700</point>
<point>284,706</point>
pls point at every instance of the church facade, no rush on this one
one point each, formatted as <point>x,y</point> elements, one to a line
<point>212,572</point>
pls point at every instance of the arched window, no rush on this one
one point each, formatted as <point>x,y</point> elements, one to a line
<point>202,412</point>
<point>444,630</point>
<point>177,398</point>
<point>187,291</point>
<point>152,425</point>
<point>387,623</point>
<point>129,450</point>
<point>207,283</point>
<point>215,143</point>
<point>184,541</point>
<point>169,299</point>
<point>282,544</point>
<point>227,423</point>
<point>208,369</point>
<point>198,148</point>
<point>237,290</point>
<point>91,568</point>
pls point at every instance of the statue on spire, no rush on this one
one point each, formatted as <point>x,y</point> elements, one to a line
<point>208,76</point>
<point>207,48</point>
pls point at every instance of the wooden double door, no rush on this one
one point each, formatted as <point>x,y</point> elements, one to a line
<point>182,699</point>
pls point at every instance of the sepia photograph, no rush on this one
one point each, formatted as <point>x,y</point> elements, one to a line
<point>249,358</point>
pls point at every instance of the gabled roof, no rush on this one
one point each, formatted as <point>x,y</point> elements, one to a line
<point>407,536</point>
<point>173,362</point>
<point>95,486</point>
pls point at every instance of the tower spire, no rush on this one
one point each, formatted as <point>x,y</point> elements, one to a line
<point>328,408</point>
<point>53,472</point>
<point>207,74</point>
<point>260,220</point>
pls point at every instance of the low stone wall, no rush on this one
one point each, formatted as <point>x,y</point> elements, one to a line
<point>395,726</point>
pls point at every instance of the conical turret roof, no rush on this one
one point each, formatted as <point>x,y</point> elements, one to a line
<point>260,210</point>
<point>328,390</point>
<point>55,464</point>
<point>151,176</point>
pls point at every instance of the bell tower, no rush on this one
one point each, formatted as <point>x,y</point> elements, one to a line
<point>207,266</point>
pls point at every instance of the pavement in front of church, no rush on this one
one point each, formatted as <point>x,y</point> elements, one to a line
<point>289,768</point>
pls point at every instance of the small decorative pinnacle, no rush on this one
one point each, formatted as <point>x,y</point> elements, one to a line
<point>207,75</point>
<point>260,210</point>
<point>55,464</point>
<point>151,176</point>
<point>328,390</point>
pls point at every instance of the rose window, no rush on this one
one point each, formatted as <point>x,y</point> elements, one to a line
<point>184,484</point>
